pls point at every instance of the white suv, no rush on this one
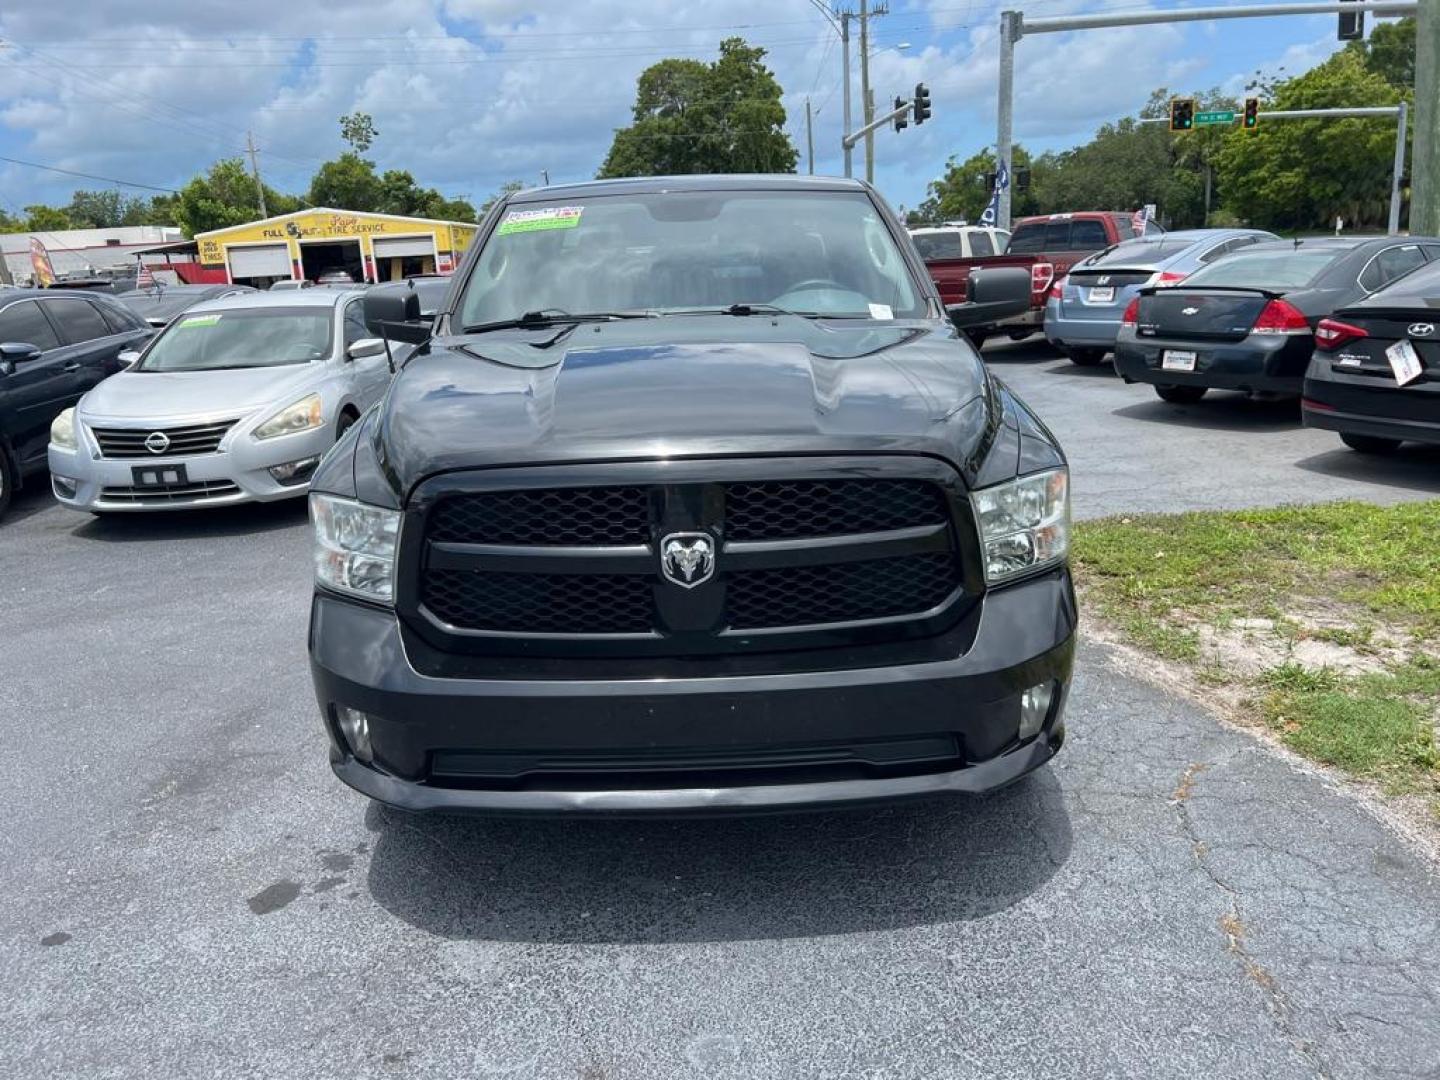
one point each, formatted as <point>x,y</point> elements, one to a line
<point>959,241</point>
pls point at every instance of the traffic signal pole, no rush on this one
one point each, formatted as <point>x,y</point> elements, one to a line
<point>1014,26</point>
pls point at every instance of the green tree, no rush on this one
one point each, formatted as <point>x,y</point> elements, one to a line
<point>1390,52</point>
<point>98,209</point>
<point>358,129</point>
<point>40,218</point>
<point>451,210</point>
<point>963,191</point>
<point>226,195</point>
<point>693,117</point>
<point>347,183</point>
<point>1298,174</point>
<point>507,188</point>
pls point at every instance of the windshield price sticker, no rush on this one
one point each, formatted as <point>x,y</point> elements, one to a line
<point>881,311</point>
<point>1404,362</point>
<point>551,217</point>
<point>199,320</point>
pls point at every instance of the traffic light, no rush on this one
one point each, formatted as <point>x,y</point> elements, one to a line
<point>1252,113</point>
<point>1022,179</point>
<point>1182,114</point>
<point>1352,26</point>
<point>922,103</point>
<point>900,122</point>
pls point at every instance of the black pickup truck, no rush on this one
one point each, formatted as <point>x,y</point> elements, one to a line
<point>690,498</point>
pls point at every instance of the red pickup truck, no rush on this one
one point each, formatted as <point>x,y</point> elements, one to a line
<point>1049,246</point>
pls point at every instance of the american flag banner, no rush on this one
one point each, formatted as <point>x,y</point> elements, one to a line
<point>144,277</point>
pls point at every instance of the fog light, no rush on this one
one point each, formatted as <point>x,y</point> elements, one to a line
<point>62,487</point>
<point>294,472</point>
<point>355,727</point>
<point>1034,707</point>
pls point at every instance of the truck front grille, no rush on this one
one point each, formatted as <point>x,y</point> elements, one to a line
<point>537,567</point>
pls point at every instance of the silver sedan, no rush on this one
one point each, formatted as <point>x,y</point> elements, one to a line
<point>237,400</point>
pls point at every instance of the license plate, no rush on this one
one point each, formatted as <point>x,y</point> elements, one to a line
<point>158,475</point>
<point>1103,296</point>
<point>1404,362</point>
<point>1177,360</point>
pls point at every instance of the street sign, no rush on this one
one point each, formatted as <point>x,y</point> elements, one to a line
<point>1216,116</point>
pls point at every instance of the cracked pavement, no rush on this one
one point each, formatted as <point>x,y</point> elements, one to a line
<point>188,892</point>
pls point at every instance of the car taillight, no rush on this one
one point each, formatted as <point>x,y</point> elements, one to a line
<point>1281,317</point>
<point>1132,312</point>
<point>1057,290</point>
<point>1167,277</point>
<point>1040,276</point>
<point>1332,333</point>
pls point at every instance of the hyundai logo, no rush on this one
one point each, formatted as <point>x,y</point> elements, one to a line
<point>157,442</point>
<point>687,559</point>
<point>1420,329</point>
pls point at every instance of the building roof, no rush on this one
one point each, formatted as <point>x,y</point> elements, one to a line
<point>309,210</point>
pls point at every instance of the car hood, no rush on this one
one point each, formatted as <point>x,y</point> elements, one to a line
<point>673,387</point>
<point>157,395</point>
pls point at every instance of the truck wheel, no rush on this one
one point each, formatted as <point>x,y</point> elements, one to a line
<point>1180,395</point>
<point>7,479</point>
<point>1365,444</point>
<point>1020,335</point>
<point>1086,357</point>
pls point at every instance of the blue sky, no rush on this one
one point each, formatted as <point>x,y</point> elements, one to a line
<point>468,94</point>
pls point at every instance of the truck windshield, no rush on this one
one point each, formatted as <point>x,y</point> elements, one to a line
<point>257,337</point>
<point>812,253</point>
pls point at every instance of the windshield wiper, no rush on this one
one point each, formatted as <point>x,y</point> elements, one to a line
<point>539,320</point>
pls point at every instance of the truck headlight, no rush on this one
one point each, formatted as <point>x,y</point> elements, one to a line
<point>299,416</point>
<point>62,430</point>
<point>1024,524</point>
<point>355,547</point>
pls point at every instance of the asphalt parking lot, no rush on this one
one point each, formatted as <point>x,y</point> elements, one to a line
<point>190,893</point>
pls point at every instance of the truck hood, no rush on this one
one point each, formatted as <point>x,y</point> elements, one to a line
<point>680,387</point>
<point>159,395</point>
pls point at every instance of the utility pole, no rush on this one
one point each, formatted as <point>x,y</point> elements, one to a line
<point>1425,156</point>
<point>255,168</point>
<point>845,67</point>
<point>867,103</point>
<point>1005,120</point>
<point>809,137</point>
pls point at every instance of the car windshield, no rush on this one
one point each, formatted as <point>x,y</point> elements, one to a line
<point>811,253</point>
<point>943,245</point>
<point>242,338</point>
<point>1292,269</point>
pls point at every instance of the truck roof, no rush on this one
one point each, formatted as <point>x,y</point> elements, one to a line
<point>654,185</point>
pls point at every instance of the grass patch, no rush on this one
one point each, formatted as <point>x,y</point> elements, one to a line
<point>1253,577</point>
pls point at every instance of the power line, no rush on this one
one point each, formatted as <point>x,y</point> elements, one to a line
<point>89,176</point>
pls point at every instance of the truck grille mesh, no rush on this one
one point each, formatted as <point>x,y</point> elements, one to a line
<point>790,509</point>
<point>541,603</point>
<point>846,592</point>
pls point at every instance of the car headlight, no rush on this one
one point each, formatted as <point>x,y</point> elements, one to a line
<point>355,547</point>
<point>62,430</point>
<point>1024,524</point>
<point>299,416</point>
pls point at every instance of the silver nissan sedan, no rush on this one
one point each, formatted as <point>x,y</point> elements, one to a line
<point>235,401</point>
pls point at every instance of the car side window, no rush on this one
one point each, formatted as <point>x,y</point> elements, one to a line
<point>1396,262</point>
<point>24,322</point>
<point>77,319</point>
<point>1088,236</point>
<point>980,244</point>
<point>355,327</point>
<point>1432,251</point>
<point>119,320</point>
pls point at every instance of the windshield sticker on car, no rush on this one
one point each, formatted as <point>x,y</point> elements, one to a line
<point>199,320</point>
<point>551,217</point>
<point>881,311</point>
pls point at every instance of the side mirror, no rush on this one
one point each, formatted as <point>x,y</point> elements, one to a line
<point>396,316</point>
<point>18,352</point>
<point>370,346</point>
<point>996,293</point>
<point>128,359</point>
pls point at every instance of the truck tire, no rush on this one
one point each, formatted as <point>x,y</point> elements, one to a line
<point>1021,335</point>
<point>1180,395</point>
<point>1086,357</point>
<point>1365,444</point>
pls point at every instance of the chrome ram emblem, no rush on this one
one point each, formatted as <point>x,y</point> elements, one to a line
<point>687,559</point>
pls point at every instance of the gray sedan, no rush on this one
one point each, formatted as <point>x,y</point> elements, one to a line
<point>237,400</point>
<point>1085,308</point>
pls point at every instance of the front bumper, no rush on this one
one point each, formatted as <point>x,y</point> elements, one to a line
<point>1260,363</point>
<point>238,472</point>
<point>1024,636</point>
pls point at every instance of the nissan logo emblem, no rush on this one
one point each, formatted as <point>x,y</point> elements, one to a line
<point>157,442</point>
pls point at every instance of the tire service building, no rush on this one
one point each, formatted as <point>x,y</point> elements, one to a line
<point>309,243</point>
